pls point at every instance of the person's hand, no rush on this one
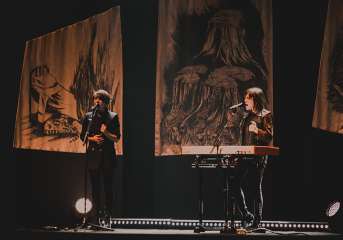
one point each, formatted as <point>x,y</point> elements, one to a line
<point>109,135</point>
<point>98,139</point>
<point>253,127</point>
<point>103,128</point>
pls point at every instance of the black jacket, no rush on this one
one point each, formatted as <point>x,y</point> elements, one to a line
<point>264,122</point>
<point>106,149</point>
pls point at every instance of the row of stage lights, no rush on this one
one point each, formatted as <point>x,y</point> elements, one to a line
<point>214,225</point>
<point>334,213</point>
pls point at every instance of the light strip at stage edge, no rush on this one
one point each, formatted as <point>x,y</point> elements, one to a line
<point>214,224</point>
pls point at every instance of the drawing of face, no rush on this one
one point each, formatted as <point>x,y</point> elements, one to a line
<point>249,103</point>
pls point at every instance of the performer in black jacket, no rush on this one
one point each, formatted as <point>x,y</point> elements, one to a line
<point>101,152</point>
<point>256,128</point>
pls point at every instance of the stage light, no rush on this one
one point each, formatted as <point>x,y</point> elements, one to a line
<point>334,213</point>
<point>80,205</point>
<point>78,209</point>
<point>333,209</point>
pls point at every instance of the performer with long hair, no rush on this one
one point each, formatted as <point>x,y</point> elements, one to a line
<point>256,128</point>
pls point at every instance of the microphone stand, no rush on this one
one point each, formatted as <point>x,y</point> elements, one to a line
<point>85,207</point>
<point>218,140</point>
<point>216,144</point>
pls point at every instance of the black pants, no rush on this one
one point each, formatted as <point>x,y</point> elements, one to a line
<point>256,168</point>
<point>95,177</point>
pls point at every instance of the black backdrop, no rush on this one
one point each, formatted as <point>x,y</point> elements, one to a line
<point>38,188</point>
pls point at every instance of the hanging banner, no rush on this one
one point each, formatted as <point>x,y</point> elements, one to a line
<point>208,54</point>
<point>61,71</point>
<point>328,111</point>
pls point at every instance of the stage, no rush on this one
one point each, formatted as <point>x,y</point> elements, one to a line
<point>177,229</point>
<point>40,187</point>
<point>120,233</point>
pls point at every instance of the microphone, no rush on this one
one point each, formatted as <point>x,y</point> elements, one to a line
<point>234,107</point>
<point>97,105</point>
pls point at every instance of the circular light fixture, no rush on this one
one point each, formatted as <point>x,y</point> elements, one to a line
<point>333,209</point>
<point>80,205</point>
<point>334,212</point>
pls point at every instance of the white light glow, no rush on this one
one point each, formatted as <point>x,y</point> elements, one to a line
<point>80,205</point>
<point>333,209</point>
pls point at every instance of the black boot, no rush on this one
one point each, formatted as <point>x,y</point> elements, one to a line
<point>107,217</point>
<point>258,213</point>
<point>256,223</point>
<point>247,218</point>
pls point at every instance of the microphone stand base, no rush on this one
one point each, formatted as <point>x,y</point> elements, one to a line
<point>233,231</point>
<point>199,229</point>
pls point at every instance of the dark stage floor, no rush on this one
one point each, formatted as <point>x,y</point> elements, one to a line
<point>120,233</point>
<point>176,229</point>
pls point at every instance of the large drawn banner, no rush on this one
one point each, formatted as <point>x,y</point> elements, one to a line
<point>328,111</point>
<point>61,70</point>
<point>208,54</point>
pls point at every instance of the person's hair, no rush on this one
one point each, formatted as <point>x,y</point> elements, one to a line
<point>258,97</point>
<point>103,96</point>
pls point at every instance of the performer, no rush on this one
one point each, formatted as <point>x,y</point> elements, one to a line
<point>256,128</point>
<point>101,153</point>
